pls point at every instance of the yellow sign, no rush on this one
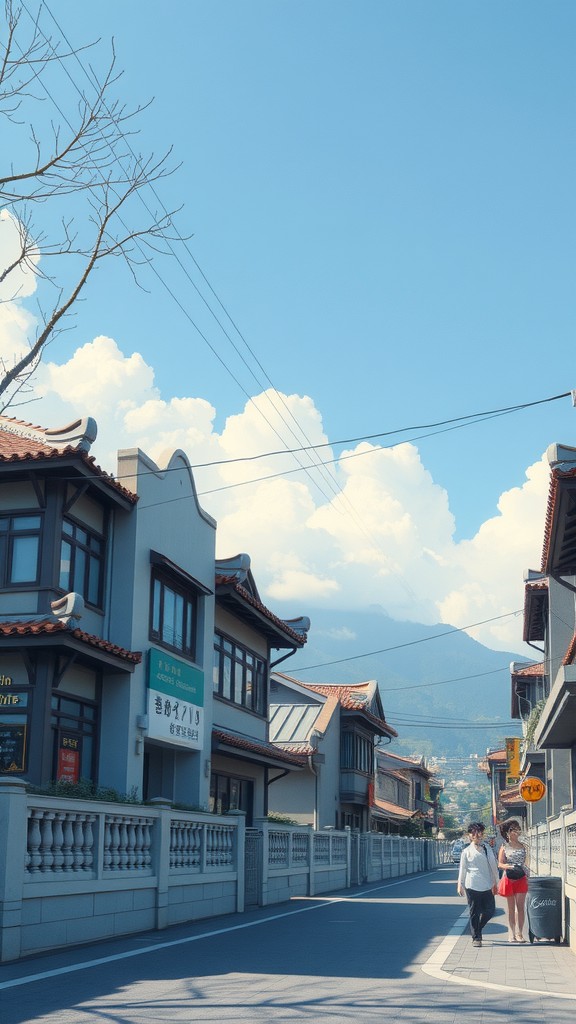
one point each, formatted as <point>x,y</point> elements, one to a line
<point>532,789</point>
<point>512,761</point>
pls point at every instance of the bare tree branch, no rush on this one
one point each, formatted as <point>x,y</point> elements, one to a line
<point>79,171</point>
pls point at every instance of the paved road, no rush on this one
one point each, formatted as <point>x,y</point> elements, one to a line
<point>395,951</point>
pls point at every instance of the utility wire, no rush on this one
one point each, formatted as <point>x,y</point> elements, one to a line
<point>336,492</point>
<point>92,79</point>
<point>412,643</point>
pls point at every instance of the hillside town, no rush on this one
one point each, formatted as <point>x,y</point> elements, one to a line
<point>287,538</point>
<point>138,669</point>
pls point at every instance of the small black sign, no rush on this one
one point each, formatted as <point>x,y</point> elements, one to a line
<point>12,747</point>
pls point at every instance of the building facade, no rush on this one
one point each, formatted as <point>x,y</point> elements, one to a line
<point>111,670</point>
<point>333,729</point>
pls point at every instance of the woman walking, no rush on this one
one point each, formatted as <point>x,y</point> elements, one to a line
<point>478,880</point>
<point>514,881</point>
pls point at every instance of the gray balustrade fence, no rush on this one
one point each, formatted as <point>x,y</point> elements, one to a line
<point>75,871</point>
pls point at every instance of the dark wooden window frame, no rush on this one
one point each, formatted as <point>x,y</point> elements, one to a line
<point>91,556</point>
<point>239,674</point>
<point>7,542</point>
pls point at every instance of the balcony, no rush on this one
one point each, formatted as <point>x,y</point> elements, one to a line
<point>557,725</point>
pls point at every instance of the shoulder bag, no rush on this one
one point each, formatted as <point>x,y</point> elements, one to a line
<point>514,873</point>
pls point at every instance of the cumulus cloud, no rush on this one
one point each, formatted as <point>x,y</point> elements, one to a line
<point>373,528</point>
<point>17,282</point>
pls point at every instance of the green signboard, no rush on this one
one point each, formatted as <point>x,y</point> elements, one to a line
<point>175,701</point>
<point>175,678</point>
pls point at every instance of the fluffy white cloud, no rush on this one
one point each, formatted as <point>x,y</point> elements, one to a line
<point>18,279</point>
<point>17,325</point>
<point>371,529</point>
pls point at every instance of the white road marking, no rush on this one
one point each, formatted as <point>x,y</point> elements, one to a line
<point>87,964</point>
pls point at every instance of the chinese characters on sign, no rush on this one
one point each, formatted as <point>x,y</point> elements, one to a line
<point>13,727</point>
<point>175,701</point>
<point>512,761</point>
<point>69,759</point>
<point>12,747</point>
<point>532,789</point>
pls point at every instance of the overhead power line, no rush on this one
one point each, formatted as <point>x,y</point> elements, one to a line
<point>413,643</point>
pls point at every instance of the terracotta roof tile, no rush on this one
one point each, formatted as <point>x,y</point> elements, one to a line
<point>570,653</point>
<point>15,447</point>
<point>510,796</point>
<point>256,746</point>
<point>305,749</point>
<point>49,627</point>
<point>496,755</point>
<point>394,810</point>
<point>532,670</point>
<point>556,476</point>
<point>353,697</point>
<point>246,596</point>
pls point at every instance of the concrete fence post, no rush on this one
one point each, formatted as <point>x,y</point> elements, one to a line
<point>348,858</point>
<point>240,859</point>
<point>311,864</point>
<point>161,858</point>
<point>13,847</point>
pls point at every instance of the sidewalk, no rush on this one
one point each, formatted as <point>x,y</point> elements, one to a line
<point>542,967</point>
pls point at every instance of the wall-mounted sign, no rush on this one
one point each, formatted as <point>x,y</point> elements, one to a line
<point>512,761</point>
<point>532,789</point>
<point>175,701</point>
<point>68,769</point>
<point>12,746</point>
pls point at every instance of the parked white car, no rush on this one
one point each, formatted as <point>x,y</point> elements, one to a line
<point>457,847</point>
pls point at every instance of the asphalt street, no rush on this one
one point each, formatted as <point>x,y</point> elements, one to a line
<point>396,950</point>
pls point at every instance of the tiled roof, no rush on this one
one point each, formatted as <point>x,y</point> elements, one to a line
<point>298,637</point>
<point>536,669</point>
<point>496,755</point>
<point>353,697</point>
<point>571,652</point>
<point>509,797</point>
<point>392,810</point>
<point>49,627</point>
<point>305,749</point>
<point>256,747</point>
<point>16,445</point>
<point>563,469</point>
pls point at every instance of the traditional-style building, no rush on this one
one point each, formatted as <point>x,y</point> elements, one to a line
<point>107,630</point>
<point>405,790</point>
<point>244,761</point>
<point>333,729</point>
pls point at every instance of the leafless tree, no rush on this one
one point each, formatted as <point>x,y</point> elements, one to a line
<point>70,189</point>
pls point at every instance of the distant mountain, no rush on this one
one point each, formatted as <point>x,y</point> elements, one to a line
<point>433,692</point>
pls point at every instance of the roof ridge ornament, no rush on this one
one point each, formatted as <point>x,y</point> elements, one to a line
<point>561,457</point>
<point>300,625</point>
<point>236,567</point>
<point>67,608</point>
<point>81,433</point>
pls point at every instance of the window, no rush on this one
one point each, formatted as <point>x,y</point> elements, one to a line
<point>19,549</point>
<point>174,616</point>
<point>231,794</point>
<point>356,752</point>
<point>239,675</point>
<point>81,562</point>
<point>74,723</point>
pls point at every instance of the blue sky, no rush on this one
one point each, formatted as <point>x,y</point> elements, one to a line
<point>381,196</point>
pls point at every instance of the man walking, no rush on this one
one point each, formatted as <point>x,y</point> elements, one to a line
<point>478,880</point>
